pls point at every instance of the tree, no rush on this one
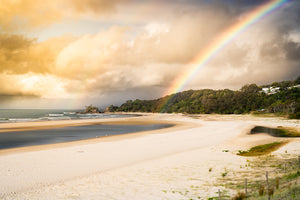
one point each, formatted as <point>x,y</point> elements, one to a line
<point>252,88</point>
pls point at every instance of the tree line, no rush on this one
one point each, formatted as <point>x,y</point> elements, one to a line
<point>206,101</point>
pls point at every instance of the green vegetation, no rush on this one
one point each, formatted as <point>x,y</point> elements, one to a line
<point>289,132</point>
<point>239,196</point>
<point>283,182</point>
<point>224,174</point>
<point>276,132</point>
<point>294,115</point>
<point>288,192</point>
<point>250,98</point>
<point>261,149</point>
<point>261,190</point>
<point>293,175</point>
<point>91,109</point>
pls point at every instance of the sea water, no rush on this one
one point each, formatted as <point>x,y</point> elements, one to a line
<point>28,115</point>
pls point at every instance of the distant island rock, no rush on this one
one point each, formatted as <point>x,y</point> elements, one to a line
<point>91,109</point>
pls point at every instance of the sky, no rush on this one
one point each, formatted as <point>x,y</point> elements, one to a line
<point>72,53</point>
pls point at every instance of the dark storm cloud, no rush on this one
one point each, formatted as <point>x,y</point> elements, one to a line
<point>284,24</point>
<point>16,100</point>
<point>292,50</point>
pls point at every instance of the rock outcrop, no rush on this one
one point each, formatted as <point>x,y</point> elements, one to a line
<point>91,109</point>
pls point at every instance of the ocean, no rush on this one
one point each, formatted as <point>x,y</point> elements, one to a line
<point>29,115</point>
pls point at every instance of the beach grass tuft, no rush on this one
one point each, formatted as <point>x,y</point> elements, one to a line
<point>289,132</point>
<point>239,196</point>
<point>262,149</point>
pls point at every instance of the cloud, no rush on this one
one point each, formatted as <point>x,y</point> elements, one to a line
<point>257,57</point>
<point>292,50</point>
<point>31,84</point>
<point>13,50</point>
<point>95,6</point>
<point>177,41</point>
<point>148,56</point>
<point>27,67</point>
<point>20,55</point>
<point>10,101</point>
<point>153,56</point>
<point>29,12</point>
<point>20,14</point>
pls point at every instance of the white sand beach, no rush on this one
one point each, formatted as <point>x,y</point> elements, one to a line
<point>171,163</point>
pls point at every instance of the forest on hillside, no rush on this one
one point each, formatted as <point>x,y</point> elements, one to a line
<point>250,98</point>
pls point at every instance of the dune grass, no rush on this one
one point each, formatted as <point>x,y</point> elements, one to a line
<point>276,132</point>
<point>262,149</point>
<point>289,132</point>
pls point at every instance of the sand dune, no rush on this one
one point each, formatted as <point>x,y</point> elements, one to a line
<point>171,163</point>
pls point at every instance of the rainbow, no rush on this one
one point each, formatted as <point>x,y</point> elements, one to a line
<point>227,36</point>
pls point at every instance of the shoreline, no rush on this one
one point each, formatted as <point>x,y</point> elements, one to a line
<point>35,125</point>
<point>190,156</point>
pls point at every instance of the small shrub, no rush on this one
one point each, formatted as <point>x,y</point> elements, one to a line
<point>271,192</point>
<point>261,190</point>
<point>279,166</point>
<point>224,174</point>
<point>277,183</point>
<point>262,149</point>
<point>239,196</point>
<point>293,175</point>
<point>255,112</point>
<point>210,169</point>
<point>295,116</point>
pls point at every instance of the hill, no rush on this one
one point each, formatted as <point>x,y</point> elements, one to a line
<point>278,97</point>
